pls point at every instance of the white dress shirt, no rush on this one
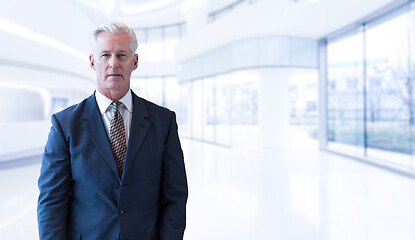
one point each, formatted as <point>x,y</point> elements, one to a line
<point>126,111</point>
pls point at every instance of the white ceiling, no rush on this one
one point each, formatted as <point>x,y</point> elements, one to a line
<point>301,16</point>
<point>314,19</point>
<point>144,13</point>
<point>25,25</point>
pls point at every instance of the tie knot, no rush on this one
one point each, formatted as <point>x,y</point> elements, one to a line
<point>115,105</point>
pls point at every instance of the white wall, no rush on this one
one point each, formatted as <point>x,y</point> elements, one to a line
<point>274,108</point>
<point>260,52</point>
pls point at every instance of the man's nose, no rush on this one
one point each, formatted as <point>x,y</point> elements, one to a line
<point>113,61</point>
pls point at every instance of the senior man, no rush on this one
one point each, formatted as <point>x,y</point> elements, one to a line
<point>113,165</point>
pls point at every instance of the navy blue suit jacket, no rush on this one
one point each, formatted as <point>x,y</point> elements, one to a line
<point>81,193</point>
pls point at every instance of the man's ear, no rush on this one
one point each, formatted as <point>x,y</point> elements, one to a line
<point>135,62</point>
<point>92,61</point>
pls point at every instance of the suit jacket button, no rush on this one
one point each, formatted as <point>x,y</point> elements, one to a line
<point>121,212</point>
<point>117,186</point>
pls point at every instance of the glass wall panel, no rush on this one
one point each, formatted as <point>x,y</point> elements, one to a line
<point>139,86</point>
<point>389,91</point>
<point>158,43</point>
<point>196,111</point>
<point>411,83</point>
<point>155,47</point>
<point>172,93</point>
<point>176,100</point>
<point>58,104</point>
<point>155,90</point>
<point>345,98</point>
<point>244,112</point>
<point>387,67</point>
<point>167,92</point>
<point>141,35</point>
<point>172,37</point>
<point>209,105</point>
<point>304,104</point>
<point>183,113</point>
<point>223,109</point>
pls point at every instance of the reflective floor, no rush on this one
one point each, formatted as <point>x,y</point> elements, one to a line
<point>246,193</point>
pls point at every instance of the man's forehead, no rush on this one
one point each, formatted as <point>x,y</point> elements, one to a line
<point>113,39</point>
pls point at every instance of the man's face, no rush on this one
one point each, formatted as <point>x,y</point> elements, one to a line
<point>113,62</point>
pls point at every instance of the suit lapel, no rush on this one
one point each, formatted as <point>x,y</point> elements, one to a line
<point>138,130</point>
<point>94,127</point>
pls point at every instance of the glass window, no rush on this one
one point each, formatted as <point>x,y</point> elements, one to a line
<point>209,105</point>
<point>411,83</point>
<point>141,35</point>
<point>388,91</point>
<point>159,43</point>
<point>139,86</point>
<point>196,110</point>
<point>183,115</point>
<point>172,93</point>
<point>155,90</point>
<point>223,109</point>
<point>155,47</point>
<point>370,86</point>
<point>303,101</point>
<point>171,40</point>
<point>345,125</point>
<point>58,104</point>
<point>244,112</point>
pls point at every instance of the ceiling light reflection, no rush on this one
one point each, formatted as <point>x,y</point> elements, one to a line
<point>21,31</point>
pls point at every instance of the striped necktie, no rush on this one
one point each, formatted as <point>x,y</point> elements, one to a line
<point>117,137</point>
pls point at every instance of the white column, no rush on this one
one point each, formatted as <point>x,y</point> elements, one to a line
<point>274,108</point>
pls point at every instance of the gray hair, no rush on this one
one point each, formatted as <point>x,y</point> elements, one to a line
<point>113,28</point>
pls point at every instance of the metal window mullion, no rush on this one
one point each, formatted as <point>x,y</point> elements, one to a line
<point>364,91</point>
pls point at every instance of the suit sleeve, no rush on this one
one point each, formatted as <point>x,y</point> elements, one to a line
<point>54,186</point>
<point>173,192</point>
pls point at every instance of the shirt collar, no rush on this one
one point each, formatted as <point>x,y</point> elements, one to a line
<point>104,102</point>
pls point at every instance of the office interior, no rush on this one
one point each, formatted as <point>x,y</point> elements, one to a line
<point>296,117</point>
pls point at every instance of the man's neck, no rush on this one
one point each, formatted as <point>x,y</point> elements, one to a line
<point>114,95</point>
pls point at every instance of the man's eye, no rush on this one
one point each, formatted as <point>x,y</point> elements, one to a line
<point>105,55</point>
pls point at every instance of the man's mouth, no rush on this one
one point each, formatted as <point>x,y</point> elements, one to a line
<point>114,75</point>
